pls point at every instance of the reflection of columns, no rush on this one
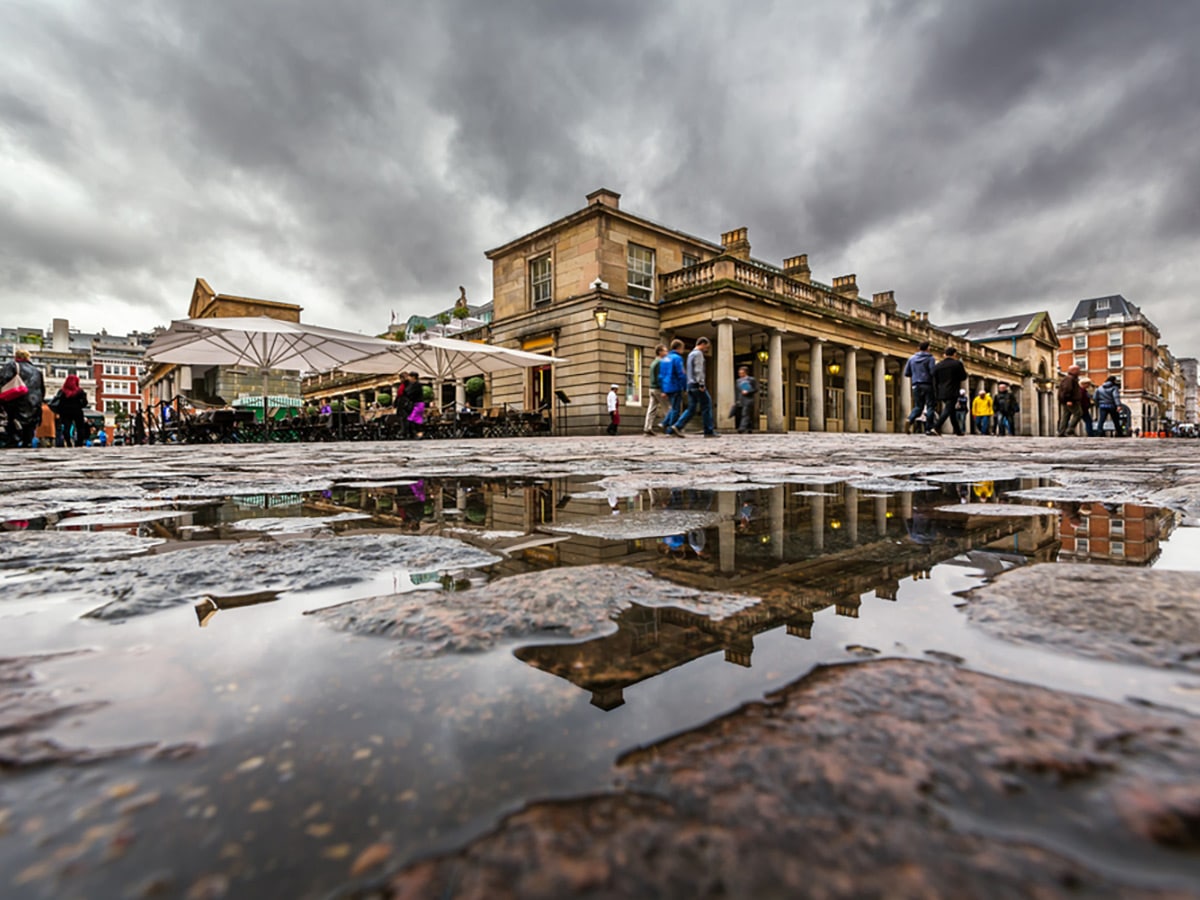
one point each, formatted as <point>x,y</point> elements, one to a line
<point>816,385</point>
<point>1029,407</point>
<point>852,514</point>
<point>775,385</point>
<point>726,530</point>
<point>906,498</point>
<point>850,416</point>
<point>460,500</point>
<point>879,394</point>
<point>776,511</point>
<point>881,515</point>
<point>724,396</point>
<point>817,520</point>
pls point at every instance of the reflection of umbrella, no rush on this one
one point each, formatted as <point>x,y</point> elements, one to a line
<point>260,342</point>
<point>447,359</point>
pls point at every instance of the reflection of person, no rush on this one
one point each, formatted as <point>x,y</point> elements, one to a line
<point>68,405</point>
<point>614,414</point>
<point>984,490</point>
<point>24,410</point>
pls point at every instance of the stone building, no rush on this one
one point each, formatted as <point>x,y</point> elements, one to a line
<point>1111,336</point>
<point>1190,413</point>
<point>601,286</point>
<point>214,384</point>
<point>1030,337</point>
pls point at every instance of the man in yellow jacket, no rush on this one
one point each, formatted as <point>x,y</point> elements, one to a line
<point>981,410</point>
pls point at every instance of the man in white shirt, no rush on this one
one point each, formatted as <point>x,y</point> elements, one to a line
<point>614,417</point>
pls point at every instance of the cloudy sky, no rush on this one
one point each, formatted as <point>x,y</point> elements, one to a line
<point>358,156</point>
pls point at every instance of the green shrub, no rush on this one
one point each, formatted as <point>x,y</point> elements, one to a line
<point>352,404</point>
<point>427,393</point>
<point>475,386</point>
<point>336,406</point>
<point>383,398</point>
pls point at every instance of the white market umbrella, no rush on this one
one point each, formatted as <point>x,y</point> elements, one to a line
<point>260,342</point>
<point>447,359</point>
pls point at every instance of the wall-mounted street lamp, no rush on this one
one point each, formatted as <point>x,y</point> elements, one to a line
<point>600,314</point>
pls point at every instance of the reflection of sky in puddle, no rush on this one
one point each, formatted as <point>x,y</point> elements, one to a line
<point>291,714</point>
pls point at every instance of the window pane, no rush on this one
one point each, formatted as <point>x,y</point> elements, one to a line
<point>640,276</point>
<point>540,280</point>
<point>801,407</point>
<point>633,376</point>
<point>1080,341</point>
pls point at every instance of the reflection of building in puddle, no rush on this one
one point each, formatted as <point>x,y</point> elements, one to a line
<point>210,606</point>
<point>1122,534</point>
<point>795,574</point>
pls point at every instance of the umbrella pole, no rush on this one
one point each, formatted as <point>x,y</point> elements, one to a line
<point>266,411</point>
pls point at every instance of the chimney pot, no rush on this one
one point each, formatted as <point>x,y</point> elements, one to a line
<point>736,243</point>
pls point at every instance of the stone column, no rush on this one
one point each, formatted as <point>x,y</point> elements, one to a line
<point>789,397</point>
<point>879,394</point>
<point>816,385</point>
<point>1029,408</point>
<point>852,514</point>
<point>723,398</point>
<point>727,530</point>
<point>904,394</point>
<point>775,385</point>
<point>776,501</point>
<point>817,519</point>
<point>850,416</point>
<point>460,394</point>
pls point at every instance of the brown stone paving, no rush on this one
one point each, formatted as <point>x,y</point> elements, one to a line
<point>886,778</point>
<point>1145,616</point>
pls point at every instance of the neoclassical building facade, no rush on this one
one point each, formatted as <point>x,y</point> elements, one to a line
<point>601,287</point>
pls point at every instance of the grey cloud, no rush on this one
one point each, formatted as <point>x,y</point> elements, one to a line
<point>352,157</point>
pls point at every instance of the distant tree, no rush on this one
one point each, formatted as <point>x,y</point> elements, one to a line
<point>419,328</point>
<point>443,318</point>
<point>461,312</point>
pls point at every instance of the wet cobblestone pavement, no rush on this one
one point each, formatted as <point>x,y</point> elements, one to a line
<point>758,666</point>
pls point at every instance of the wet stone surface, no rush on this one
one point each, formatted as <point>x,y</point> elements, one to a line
<point>896,779</point>
<point>580,602</point>
<point>363,656</point>
<point>1147,617</point>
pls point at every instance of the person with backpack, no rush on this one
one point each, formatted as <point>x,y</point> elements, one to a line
<point>68,405</point>
<point>21,393</point>
<point>1108,400</point>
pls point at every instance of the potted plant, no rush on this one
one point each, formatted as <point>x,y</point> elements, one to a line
<point>419,328</point>
<point>461,312</point>
<point>384,398</point>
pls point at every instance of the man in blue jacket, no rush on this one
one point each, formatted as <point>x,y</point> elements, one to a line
<point>672,382</point>
<point>919,369</point>
<point>1108,398</point>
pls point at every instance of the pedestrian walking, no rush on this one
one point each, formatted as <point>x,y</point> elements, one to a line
<point>1085,407</point>
<point>673,378</point>
<point>21,392</point>
<point>1070,400</point>
<point>747,392</point>
<point>981,410</point>
<point>699,400</point>
<point>1108,400</point>
<point>919,371</point>
<point>1006,406</point>
<point>614,413</point>
<point>68,405</point>
<point>948,376</point>
<point>414,406</point>
<point>657,405</point>
<point>962,409</point>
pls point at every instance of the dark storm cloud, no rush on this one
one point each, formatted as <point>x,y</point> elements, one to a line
<point>359,157</point>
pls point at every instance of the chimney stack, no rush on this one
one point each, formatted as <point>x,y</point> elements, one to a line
<point>797,267</point>
<point>847,286</point>
<point>736,243</point>
<point>885,300</point>
<point>604,197</point>
<point>61,336</point>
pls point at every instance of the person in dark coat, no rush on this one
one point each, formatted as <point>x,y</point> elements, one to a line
<point>68,406</point>
<point>1006,406</point>
<point>1070,402</point>
<point>919,370</point>
<point>25,411</point>
<point>948,376</point>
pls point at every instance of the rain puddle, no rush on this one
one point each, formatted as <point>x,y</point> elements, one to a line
<point>221,707</point>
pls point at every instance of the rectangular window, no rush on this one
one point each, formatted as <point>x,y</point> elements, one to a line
<point>1081,360</point>
<point>1118,548</point>
<point>633,376</point>
<point>689,260</point>
<point>541,287</point>
<point>1081,545</point>
<point>640,277</point>
<point>1081,342</point>
<point>1114,338</point>
<point>800,410</point>
<point>1116,526</point>
<point>835,403</point>
<point>866,410</point>
<point>1116,359</point>
<point>1102,305</point>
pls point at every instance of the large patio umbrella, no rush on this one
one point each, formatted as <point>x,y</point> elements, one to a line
<point>447,359</point>
<point>260,342</point>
